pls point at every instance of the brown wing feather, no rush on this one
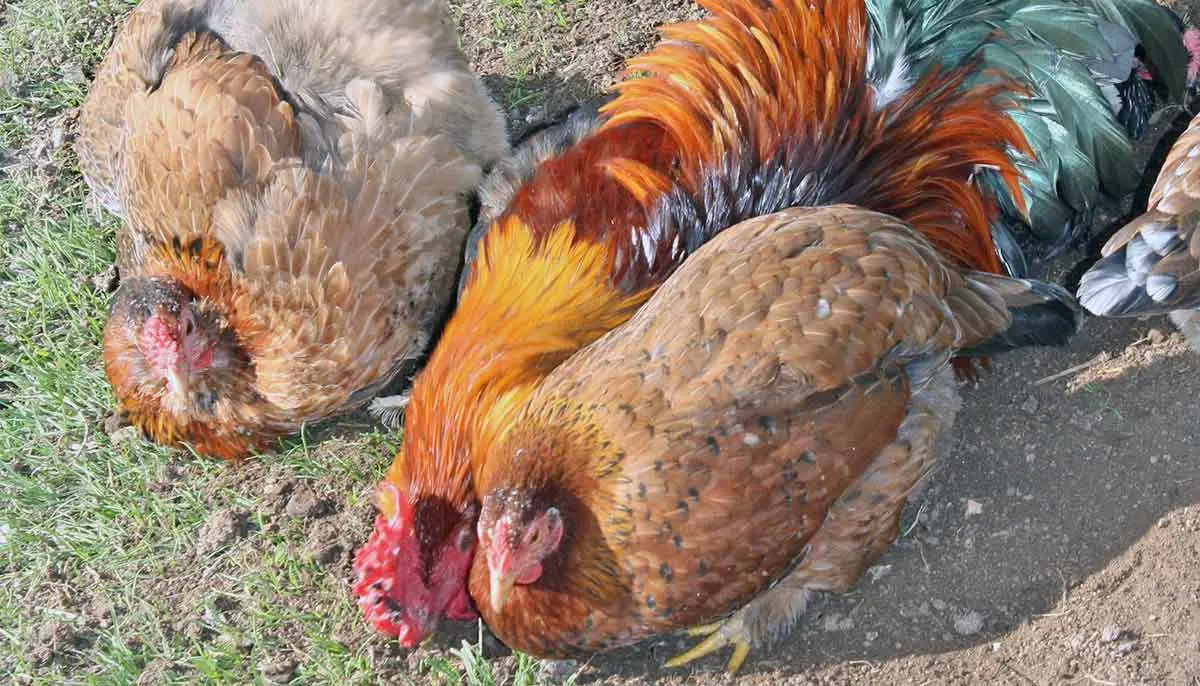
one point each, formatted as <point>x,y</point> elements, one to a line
<point>102,118</point>
<point>340,274</point>
<point>216,122</point>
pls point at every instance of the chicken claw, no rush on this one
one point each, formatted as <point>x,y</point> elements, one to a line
<point>720,634</point>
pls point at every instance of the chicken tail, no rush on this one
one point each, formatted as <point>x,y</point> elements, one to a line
<point>1076,61</point>
<point>178,20</point>
<point>1041,313</point>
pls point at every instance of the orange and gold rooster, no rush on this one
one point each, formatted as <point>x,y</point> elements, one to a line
<point>763,107</point>
<point>294,180</point>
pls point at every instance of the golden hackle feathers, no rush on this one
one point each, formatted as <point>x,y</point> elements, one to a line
<point>546,297</point>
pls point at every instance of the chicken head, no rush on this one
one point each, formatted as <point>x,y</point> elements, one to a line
<point>402,592</point>
<point>517,536</point>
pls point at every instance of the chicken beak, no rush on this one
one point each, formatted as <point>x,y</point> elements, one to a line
<point>176,380</point>
<point>503,578</point>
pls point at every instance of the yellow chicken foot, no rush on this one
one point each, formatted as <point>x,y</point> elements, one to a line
<point>720,634</point>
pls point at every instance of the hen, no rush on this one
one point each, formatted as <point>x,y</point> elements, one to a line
<point>786,105</point>
<point>1152,265</point>
<point>749,437</point>
<point>294,180</point>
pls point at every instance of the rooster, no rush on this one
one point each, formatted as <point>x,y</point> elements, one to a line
<point>1152,265</point>
<point>810,107</point>
<point>294,180</point>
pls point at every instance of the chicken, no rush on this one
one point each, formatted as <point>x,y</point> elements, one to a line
<point>1152,265</point>
<point>294,179</point>
<point>727,125</point>
<point>747,438</point>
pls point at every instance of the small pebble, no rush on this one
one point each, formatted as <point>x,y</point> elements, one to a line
<point>969,624</point>
<point>974,507</point>
<point>1110,633</point>
<point>1125,647</point>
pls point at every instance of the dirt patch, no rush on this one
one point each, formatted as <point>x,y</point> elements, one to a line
<point>222,528</point>
<point>50,641</point>
<point>568,52</point>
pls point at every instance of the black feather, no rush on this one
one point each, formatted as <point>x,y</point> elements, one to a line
<point>1137,102</point>
<point>1042,314</point>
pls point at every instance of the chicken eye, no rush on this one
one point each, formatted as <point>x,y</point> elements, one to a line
<point>204,400</point>
<point>465,540</point>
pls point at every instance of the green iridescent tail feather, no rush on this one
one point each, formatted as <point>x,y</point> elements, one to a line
<point>1069,55</point>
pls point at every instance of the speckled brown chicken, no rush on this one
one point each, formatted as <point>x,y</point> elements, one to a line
<point>747,438</point>
<point>294,180</point>
<point>1153,264</point>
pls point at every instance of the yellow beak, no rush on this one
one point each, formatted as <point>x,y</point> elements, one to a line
<point>502,586</point>
<point>176,381</point>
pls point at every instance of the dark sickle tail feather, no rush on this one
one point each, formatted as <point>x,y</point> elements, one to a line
<point>1042,314</point>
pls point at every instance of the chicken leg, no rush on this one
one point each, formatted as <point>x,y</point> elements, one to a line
<point>858,528</point>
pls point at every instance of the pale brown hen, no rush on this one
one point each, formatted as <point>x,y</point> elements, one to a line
<point>749,437</point>
<point>294,179</point>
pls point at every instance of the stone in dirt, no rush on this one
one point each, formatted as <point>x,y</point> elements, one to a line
<point>304,504</point>
<point>222,528</point>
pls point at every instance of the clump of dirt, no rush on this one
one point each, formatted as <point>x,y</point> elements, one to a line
<point>222,528</point>
<point>304,504</point>
<point>157,671</point>
<point>327,544</point>
<point>50,641</point>
<point>278,669</point>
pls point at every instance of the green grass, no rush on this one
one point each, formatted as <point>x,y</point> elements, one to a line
<point>101,577</point>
